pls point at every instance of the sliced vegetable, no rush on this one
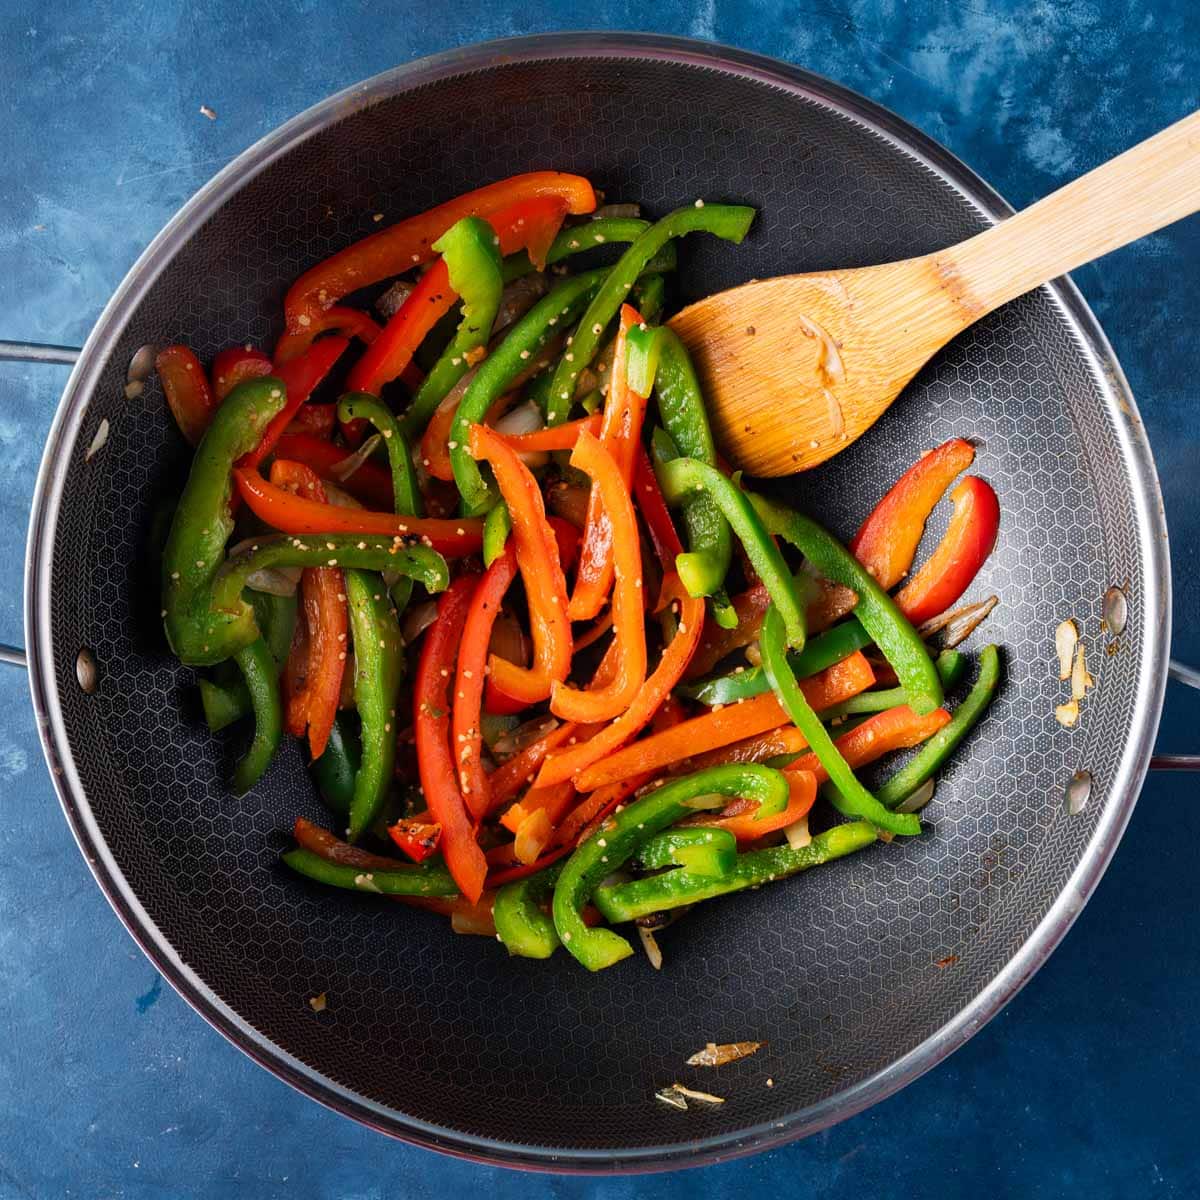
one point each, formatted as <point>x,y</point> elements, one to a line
<point>261,674</point>
<point>710,851</point>
<point>361,406</point>
<point>521,925</point>
<point>428,879</point>
<point>185,386</point>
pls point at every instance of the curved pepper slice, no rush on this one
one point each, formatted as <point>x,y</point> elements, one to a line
<point>293,514</point>
<point>335,770</point>
<point>727,221</point>
<point>620,435</point>
<point>370,483</point>
<point>969,539</point>
<point>418,839</point>
<point>624,556</point>
<point>466,732</point>
<point>360,406</point>
<point>856,797</point>
<point>674,889</point>
<point>654,693</point>
<point>431,728</point>
<point>429,879</point>
<point>521,925</point>
<point>876,611</point>
<point>409,243</point>
<point>708,850</point>
<point>619,837</point>
<point>887,542</point>
<point>236,365</point>
<point>186,388</point>
<point>555,437</point>
<point>261,674</point>
<point>300,378</point>
<point>655,513</point>
<point>378,673</point>
<point>685,476</point>
<point>314,706</point>
<point>199,634</point>
<point>541,571</point>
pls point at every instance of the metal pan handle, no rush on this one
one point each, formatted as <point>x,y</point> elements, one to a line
<point>14,656</point>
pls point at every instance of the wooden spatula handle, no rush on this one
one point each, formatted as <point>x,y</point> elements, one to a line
<point>1147,187</point>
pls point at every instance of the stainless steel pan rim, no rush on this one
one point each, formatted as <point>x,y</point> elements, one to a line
<point>1123,789</point>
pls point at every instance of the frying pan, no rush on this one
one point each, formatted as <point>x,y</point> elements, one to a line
<point>859,976</point>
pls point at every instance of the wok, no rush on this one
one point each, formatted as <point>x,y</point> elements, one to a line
<point>859,976</point>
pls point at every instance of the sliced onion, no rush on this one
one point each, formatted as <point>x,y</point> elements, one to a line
<point>525,418</point>
<point>1067,714</point>
<point>275,581</point>
<point>651,947</point>
<point>717,1056</point>
<point>417,620</point>
<point>524,735</point>
<point>1066,636</point>
<point>753,654</point>
<point>346,468</point>
<point>392,301</point>
<point>918,799</point>
<point>797,834</point>
<point>958,623</point>
<point>569,501</point>
<point>339,498</point>
<point>508,639</point>
<point>617,210</point>
<point>472,923</point>
<point>99,440</point>
<point>518,298</point>
<point>532,835</point>
<point>1081,678</point>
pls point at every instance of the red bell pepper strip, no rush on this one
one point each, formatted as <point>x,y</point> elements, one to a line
<point>541,572</point>
<point>968,541</point>
<point>740,818</point>
<point>349,322</point>
<point>625,560</point>
<point>654,512</point>
<point>185,386</point>
<point>568,763</point>
<point>370,483</point>
<point>418,839</point>
<point>887,542</point>
<point>554,437</point>
<point>297,515</point>
<point>409,243</point>
<point>620,435</point>
<point>300,376</point>
<point>466,733</point>
<point>326,617</point>
<point>518,226</point>
<point>431,732</point>
<point>315,419</point>
<point>232,366</point>
<point>750,606</point>
<point>720,727</point>
<point>325,845</point>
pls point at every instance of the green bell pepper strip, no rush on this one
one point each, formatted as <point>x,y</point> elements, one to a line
<point>366,551</point>
<point>543,321</point>
<point>643,350</point>
<point>199,633</point>
<point>577,239</point>
<point>685,478</point>
<point>378,673</point>
<point>727,221</point>
<point>276,617</point>
<point>858,801</point>
<point>476,274</point>
<point>939,747</point>
<point>261,673</point>
<point>497,526</point>
<point>619,837</point>
<point>335,770</point>
<point>406,494</point>
<point>890,630</point>
<point>675,889</point>
<point>224,703</point>
<point>700,851</point>
<point>703,568</point>
<point>428,879</point>
<point>822,651</point>
<point>649,293</point>
<point>525,930</point>
<point>950,667</point>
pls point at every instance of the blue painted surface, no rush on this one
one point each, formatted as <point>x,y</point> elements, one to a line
<point>109,1085</point>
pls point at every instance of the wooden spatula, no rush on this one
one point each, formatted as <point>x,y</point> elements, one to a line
<point>796,368</point>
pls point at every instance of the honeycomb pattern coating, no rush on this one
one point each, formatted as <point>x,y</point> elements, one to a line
<point>835,970</point>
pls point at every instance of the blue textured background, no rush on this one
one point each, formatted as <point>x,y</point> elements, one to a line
<point>109,1085</point>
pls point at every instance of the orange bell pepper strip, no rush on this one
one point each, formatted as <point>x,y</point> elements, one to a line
<point>325,845</point>
<point>554,437</point>
<point>409,243</point>
<point>510,777</point>
<point>327,620</point>
<point>969,539</point>
<point>740,819</point>
<point>887,542</point>
<point>418,839</point>
<point>234,365</point>
<point>541,572</point>
<point>370,483</point>
<point>722,726</point>
<point>435,441</point>
<point>431,733</point>
<point>603,703</point>
<point>297,515</point>
<point>186,388</point>
<point>893,729</point>
<point>648,495</point>
<point>568,763</point>
<point>466,735</point>
<point>620,435</point>
<point>300,377</point>
<point>529,223</point>
<point>470,917</point>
